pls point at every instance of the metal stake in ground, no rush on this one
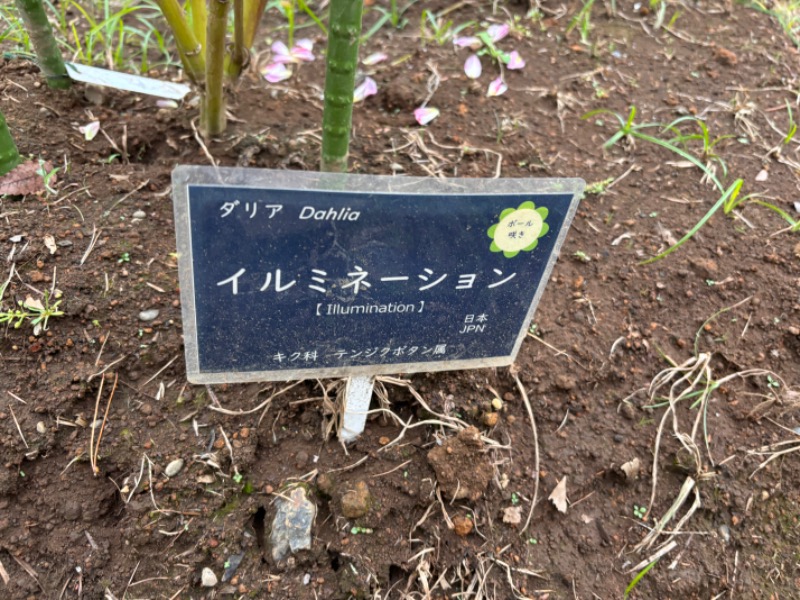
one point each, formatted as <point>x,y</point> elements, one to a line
<point>357,396</point>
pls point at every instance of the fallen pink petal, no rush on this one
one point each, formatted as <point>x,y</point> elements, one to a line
<point>280,49</point>
<point>498,32</point>
<point>468,42</point>
<point>90,131</point>
<point>375,58</point>
<point>472,67</point>
<point>497,88</point>
<point>515,61</point>
<point>425,115</point>
<point>276,72</point>
<point>305,43</point>
<point>367,88</point>
<point>300,52</point>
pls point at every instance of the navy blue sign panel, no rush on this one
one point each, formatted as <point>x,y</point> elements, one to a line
<point>293,275</point>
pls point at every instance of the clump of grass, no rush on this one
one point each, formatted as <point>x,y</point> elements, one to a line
<point>785,12</point>
<point>629,131</point>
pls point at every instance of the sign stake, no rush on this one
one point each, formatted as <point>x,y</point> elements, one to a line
<point>357,396</point>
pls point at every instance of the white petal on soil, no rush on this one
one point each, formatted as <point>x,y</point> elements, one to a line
<point>50,242</point>
<point>367,88</point>
<point>468,42</point>
<point>498,87</point>
<point>305,43</point>
<point>375,58</point>
<point>498,32</point>
<point>276,72</point>
<point>280,49</point>
<point>762,175</point>
<point>473,67</point>
<point>426,114</point>
<point>515,61</point>
<point>166,104</point>
<point>90,131</point>
<point>559,495</point>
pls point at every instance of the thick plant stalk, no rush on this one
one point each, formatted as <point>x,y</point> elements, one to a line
<point>189,47</point>
<point>253,10</point>
<point>340,78</point>
<point>240,53</point>
<point>199,21</point>
<point>9,155</point>
<point>47,53</point>
<point>212,109</point>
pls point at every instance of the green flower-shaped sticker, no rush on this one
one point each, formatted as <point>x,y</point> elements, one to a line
<point>518,229</point>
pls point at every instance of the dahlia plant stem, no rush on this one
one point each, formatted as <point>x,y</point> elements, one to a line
<point>9,155</point>
<point>199,21</point>
<point>47,53</point>
<point>240,52</point>
<point>340,74</point>
<point>212,109</point>
<point>189,48</point>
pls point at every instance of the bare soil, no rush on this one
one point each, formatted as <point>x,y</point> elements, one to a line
<point>605,328</point>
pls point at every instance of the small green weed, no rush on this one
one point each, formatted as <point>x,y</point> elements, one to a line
<point>639,511</point>
<point>582,21</point>
<point>36,312</point>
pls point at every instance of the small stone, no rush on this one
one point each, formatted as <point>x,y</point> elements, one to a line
<point>300,459</point>
<point>384,440</point>
<point>565,382</point>
<point>490,419</point>
<point>356,502</point>
<point>619,438</point>
<point>512,515</point>
<point>325,484</point>
<point>139,214</point>
<point>149,315</point>
<point>146,409</point>
<point>462,525</point>
<point>174,467</point>
<point>291,527</point>
<point>41,427</point>
<point>208,578</point>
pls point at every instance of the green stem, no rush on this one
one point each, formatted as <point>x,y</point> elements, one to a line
<point>253,10</point>
<point>212,110</point>
<point>199,20</point>
<point>190,50</point>
<point>340,79</point>
<point>50,61</point>
<point>9,155</point>
<point>239,55</point>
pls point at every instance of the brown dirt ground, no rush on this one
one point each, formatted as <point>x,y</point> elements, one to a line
<point>605,325</point>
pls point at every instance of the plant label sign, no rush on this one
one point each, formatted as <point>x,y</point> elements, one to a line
<point>294,275</point>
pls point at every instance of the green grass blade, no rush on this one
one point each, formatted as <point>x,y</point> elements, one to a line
<point>635,581</point>
<point>731,191</point>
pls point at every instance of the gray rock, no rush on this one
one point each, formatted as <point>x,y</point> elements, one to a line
<point>149,315</point>
<point>291,527</point>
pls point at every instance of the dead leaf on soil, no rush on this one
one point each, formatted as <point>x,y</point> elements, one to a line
<point>50,242</point>
<point>559,495</point>
<point>512,515</point>
<point>631,469</point>
<point>23,180</point>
